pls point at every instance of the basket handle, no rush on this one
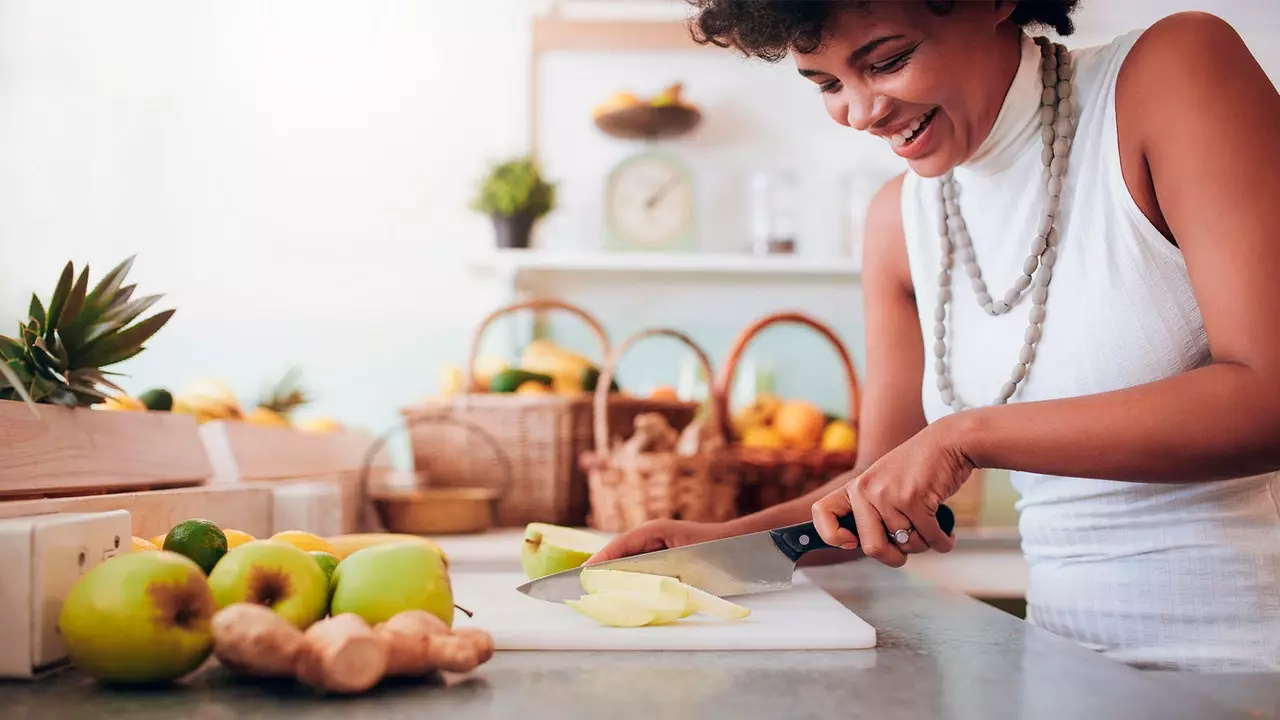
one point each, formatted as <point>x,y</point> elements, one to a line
<point>371,453</point>
<point>724,383</point>
<point>601,400</point>
<point>533,304</point>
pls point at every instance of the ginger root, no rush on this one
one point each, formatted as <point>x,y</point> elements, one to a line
<point>409,637</point>
<point>342,655</point>
<point>420,644</point>
<point>252,639</point>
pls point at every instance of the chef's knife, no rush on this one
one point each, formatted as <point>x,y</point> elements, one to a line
<point>741,565</point>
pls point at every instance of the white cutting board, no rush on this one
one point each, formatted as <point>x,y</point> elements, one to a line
<point>803,617</point>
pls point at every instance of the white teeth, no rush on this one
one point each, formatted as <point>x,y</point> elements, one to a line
<point>904,137</point>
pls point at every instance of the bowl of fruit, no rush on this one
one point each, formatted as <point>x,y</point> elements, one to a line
<point>666,115</point>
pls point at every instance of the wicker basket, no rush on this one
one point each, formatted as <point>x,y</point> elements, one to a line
<point>543,435</point>
<point>629,487</point>
<point>774,475</point>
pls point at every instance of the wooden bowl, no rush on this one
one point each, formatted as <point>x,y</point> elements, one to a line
<point>645,122</point>
<point>436,511</point>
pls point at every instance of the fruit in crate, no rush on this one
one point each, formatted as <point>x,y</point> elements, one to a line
<point>139,618</point>
<point>629,599</point>
<point>279,402</point>
<point>121,403</point>
<point>274,574</point>
<point>320,424</point>
<point>201,540</point>
<point>344,545</point>
<point>549,549</point>
<point>157,399</point>
<point>380,581</point>
<point>208,399</point>
<point>61,348</point>
<point>762,436</point>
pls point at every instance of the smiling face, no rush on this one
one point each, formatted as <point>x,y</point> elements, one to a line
<point>930,84</point>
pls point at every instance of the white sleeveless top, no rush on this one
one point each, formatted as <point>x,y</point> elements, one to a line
<point>1182,576</point>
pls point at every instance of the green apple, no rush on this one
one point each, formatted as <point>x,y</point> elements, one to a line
<point>274,574</point>
<point>139,618</point>
<point>549,549</point>
<point>380,581</point>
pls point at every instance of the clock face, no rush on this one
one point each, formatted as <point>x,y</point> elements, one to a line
<point>649,201</point>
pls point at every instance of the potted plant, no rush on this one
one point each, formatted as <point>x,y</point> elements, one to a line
<point>515,195</point>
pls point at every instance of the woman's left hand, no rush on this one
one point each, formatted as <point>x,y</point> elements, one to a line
<point>900,491</point>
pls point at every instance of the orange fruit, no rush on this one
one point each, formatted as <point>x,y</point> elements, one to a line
<point>800,423</point>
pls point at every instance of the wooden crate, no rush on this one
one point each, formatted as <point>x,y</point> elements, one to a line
<point>65,451</point>
<point>154,512</point>
<point>242,452</point>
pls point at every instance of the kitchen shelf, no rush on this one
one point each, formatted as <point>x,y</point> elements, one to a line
<point>524,262</point>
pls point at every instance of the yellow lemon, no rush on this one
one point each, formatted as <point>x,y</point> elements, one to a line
<point>304,540</point>
<point>158,541</point>
<point>143,545</point>
<point>762,437</point>
<point>839,436</point>
<point>236,538</point>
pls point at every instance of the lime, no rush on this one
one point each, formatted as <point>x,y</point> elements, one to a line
<point>201,540</point>
<point>328,562</point>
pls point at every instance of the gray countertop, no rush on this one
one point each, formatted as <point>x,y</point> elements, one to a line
<point>940,655</point>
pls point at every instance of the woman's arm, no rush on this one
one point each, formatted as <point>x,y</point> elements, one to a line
<point>1199,123</point>
<point>891,410</point>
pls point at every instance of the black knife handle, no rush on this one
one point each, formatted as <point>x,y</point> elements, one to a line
<point>796,540</point>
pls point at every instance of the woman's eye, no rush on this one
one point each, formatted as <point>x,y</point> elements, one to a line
<point>894,63</point>
<point>829,87</point>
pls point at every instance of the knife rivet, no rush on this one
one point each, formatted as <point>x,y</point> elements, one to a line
<point>804,539</point>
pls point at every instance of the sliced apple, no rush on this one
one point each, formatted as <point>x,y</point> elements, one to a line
<point>616,609</point>
<point>599,580</point>
<point>549,549</point>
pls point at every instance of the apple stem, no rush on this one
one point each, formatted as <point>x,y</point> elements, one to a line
<point>468,612</point>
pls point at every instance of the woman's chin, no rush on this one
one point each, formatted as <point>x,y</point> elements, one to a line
<point>932,165</point>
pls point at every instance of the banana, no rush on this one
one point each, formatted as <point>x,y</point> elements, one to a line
<point>344,545</point>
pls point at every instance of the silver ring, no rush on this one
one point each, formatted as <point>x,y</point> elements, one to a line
<point>902,536</point>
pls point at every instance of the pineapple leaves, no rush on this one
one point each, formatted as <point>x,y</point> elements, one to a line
<point>59,300</point>
<point>61,349</point>
<point>36,311</point>
<point>124,344</point>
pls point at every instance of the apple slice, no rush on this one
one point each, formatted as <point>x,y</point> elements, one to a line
<point>596,580</point>
<point>616,609</point>
<point>549,549</point>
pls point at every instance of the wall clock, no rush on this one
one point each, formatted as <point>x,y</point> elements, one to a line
<point>649,204</point>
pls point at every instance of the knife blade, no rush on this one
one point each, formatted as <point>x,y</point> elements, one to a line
<point>741,565</point>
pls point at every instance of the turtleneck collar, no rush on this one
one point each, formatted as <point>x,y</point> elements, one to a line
<point>1017,126</point>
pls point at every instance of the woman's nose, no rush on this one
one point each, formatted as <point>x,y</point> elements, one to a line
<point>865,110</point>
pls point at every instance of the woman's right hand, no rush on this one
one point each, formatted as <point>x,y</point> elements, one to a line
<point>659,535</point>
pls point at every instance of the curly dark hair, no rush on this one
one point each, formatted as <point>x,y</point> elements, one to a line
<point>768,29</point>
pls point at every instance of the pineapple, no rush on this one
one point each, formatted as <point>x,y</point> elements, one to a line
<point>58,355</point>
<point>278,403</point>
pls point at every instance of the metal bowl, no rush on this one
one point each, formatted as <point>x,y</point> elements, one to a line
<point>436,511</point>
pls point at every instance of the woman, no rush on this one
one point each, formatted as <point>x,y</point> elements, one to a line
<point>1078,280</point>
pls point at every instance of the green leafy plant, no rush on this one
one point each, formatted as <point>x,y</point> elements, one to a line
<point>59,353</point>
<point>514,187</point>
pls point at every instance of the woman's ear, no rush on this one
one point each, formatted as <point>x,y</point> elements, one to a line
<point>1002,10</point>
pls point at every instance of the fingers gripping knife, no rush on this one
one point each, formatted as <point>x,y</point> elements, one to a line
<point>742,565</point>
